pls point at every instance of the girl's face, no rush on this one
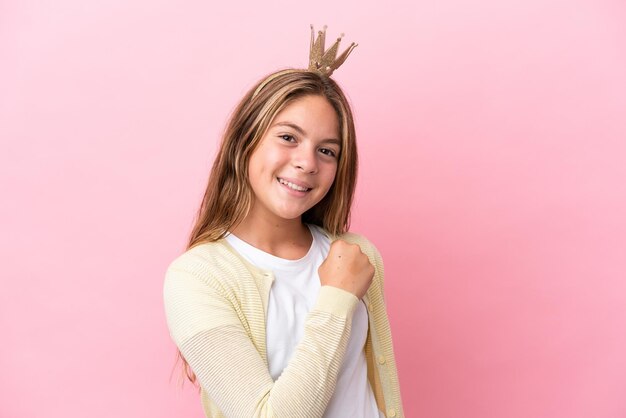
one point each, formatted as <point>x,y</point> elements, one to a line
<point>294,165</point>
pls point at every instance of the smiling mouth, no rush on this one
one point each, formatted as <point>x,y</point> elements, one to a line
<point>292,186</point>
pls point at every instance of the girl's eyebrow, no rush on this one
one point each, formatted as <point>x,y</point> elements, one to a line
<point>292,126</point>
<point>303,133</point>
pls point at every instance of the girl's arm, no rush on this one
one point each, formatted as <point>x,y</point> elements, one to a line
<point>204,323</point>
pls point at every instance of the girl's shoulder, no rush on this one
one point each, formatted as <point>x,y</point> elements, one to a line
<point>366,245</point>
<point>207,262</point>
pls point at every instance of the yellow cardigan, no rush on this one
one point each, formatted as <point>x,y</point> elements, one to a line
<point>215,304</point>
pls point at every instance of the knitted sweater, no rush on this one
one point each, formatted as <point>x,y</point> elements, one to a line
<point>215,304</point>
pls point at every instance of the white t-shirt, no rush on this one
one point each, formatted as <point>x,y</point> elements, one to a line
<point>293,294</point>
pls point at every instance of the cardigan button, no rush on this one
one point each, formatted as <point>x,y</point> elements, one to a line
<point>391,412</point>
<point>381,360</point>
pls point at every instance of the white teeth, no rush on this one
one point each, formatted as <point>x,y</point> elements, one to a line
<point>292,186</point>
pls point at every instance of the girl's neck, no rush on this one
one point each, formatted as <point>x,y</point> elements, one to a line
<point>289,239</point>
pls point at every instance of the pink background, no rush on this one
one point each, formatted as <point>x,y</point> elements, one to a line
<point>492,137</point>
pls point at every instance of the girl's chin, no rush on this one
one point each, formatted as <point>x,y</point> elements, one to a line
<point>291,214</point>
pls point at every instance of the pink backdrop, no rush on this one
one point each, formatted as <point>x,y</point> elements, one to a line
<point>492,137</point>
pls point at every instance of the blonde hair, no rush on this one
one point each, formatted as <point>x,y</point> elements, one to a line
<point>228,196</point>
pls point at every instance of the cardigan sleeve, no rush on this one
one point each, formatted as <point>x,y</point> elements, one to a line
<point>204,324</point>
<point>380,268</point>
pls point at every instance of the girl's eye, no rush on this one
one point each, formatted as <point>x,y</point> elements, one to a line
<point>287,137</point>
<point>328,152</point>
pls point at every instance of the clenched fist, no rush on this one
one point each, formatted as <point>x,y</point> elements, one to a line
<point>347,268</point>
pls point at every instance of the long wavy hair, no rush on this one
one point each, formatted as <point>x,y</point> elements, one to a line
<point>228,196</point>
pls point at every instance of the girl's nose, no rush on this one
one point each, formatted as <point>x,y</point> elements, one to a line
<point>305,159</point>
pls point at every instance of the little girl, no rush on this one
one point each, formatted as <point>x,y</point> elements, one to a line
<point>276,309</point>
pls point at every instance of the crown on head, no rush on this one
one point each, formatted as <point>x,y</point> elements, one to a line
<point>320,61</point>
<point>326,62</point>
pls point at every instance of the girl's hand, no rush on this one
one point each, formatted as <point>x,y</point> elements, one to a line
<point>347,268</point>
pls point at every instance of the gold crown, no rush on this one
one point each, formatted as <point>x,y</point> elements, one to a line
<point>325,62</point>
<point>320,61</point>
